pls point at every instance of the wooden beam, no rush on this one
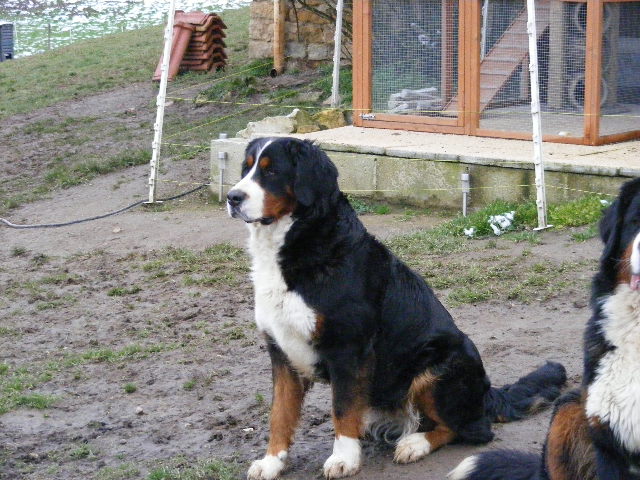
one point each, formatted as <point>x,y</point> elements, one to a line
<point>593,70</point>
<point>357,61</point>
<point>471,30</point>
<point>447,29</point>
<point>279,40</point>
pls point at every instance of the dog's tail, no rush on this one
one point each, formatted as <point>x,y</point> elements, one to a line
<point>529,394</point>
<point>499,465</point>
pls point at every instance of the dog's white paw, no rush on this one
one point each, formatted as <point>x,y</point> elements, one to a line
<point>345,460</point>
<point>267,468</point>
<point>412,448</point>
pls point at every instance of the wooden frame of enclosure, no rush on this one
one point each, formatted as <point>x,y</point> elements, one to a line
<point>468,119</point>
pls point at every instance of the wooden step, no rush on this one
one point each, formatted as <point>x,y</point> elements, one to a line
<point>505,57</point>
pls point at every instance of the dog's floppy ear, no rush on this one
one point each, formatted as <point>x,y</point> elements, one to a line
<point>613,220</point>
<point>609,227</point>
<point>316,176</point>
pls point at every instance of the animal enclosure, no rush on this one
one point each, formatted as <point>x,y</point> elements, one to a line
<point>462,66</point>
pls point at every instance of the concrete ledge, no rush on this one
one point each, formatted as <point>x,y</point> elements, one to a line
<point>428,175</point>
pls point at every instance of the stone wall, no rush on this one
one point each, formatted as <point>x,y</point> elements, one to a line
<point>309,37</point>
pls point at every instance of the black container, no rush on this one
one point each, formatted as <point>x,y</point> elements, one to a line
<point>6,41</point>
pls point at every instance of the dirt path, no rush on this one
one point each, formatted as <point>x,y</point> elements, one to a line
<point>136,299</point>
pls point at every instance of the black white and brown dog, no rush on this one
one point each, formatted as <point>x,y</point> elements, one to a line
<point>336,306</point>
<point>595,431</point>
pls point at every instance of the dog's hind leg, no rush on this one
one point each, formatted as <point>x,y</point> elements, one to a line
<point>288,394</point>
<point>413,447</point>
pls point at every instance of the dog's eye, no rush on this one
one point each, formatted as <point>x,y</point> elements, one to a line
<point>269,172</point>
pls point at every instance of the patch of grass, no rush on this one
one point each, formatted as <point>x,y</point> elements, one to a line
<point>40,259</point>
<point>189,385</point>
<point>183,469</point>
<point>359,204</point>
<point>14,383</point>
<point>7,332</point>
<point>4,368</point>
<point>98,65</point>
<point>215,265</point>
<point>122,291</point>
<point>582,211</point>
<point>121,472</point>
<point>42,127</point>
<point>238,87</point>
<point>55,303</point>
<point>381,209</point>
<point>469,295</point>
<point>436,241</point>
<point>33,400</point>
<point>18,251</point>
<point>524,236</point>
<point>64,176</point>
<point>325,84</point>
<point>82,452</point>
<point>489,276</point>
<point>130,387</point>
<point>587,234</point>
<point>235,333</point>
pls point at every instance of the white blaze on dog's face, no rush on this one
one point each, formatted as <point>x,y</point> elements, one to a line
<point>629,233</point>
<point>265,192</point>
<point>634,263</point>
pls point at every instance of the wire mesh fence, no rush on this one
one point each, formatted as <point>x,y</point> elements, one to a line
<point>620,97</point>
<point>415,68</point>
<point>415,56</point>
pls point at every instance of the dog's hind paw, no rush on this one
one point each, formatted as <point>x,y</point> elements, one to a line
<point>267,468</point>
<point>345,460</point>
<point>412,448</point>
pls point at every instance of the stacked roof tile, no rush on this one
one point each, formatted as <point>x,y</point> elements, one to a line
<point>197,44</point>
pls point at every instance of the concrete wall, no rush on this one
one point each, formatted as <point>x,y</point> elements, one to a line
<point>434,182</point>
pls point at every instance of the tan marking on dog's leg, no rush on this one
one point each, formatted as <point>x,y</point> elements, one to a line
<point>413,447</point>
<point>350,408</point>
<point>288,395</point>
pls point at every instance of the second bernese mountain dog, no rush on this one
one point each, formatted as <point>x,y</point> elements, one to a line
<point>595,431</point>
<point>335,306</point>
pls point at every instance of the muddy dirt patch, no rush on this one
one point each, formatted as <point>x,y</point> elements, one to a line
<point>131,361</point>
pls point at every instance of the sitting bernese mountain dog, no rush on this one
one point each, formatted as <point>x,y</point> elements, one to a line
<point>595,431</point>
<point>336,306</point>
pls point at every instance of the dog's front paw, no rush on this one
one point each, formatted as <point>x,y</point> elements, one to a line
<point>412,448</point>
<point>345,460</point>
<point>267,468</point>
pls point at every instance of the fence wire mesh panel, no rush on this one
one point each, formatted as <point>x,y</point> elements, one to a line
<point>620,90</point>
<point>415,57</point>
<point>561,29</point>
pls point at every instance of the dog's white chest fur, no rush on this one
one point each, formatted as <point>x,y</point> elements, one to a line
<point>279,312</point>
<point>614,395</point>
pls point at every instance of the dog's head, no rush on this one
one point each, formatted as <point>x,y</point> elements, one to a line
<point>620,232</point>
<point>280,177</point>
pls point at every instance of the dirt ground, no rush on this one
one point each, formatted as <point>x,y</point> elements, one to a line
<point>137,332</point>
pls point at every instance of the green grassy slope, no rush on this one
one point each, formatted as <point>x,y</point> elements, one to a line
<point>98,65</point>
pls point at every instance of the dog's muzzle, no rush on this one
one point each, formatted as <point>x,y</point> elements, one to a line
<point>234,207</point>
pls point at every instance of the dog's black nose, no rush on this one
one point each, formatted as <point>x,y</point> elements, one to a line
<point>236,197</point>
